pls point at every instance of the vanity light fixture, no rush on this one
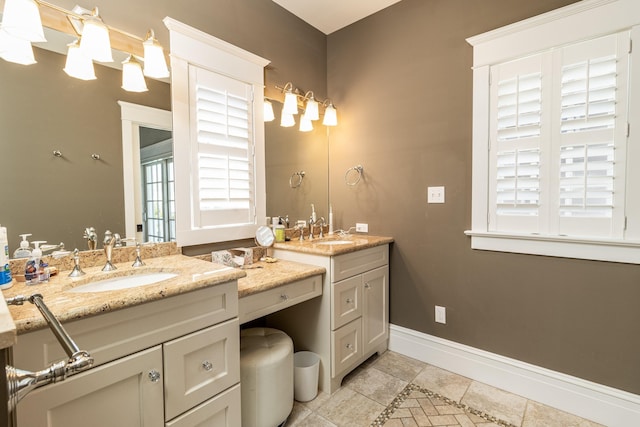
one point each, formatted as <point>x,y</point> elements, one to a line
<point>311,107</point>
<point>21,19</point>
<point>155,65</point>
<point>305,123</point>
<point>14,49</point>
<point>287,120</point>
<point>95,40</point>
<point>78,65</point>
<point>268,111</point>
<point>290,100</point>
<point>132,77</point>
<point>330,114</point>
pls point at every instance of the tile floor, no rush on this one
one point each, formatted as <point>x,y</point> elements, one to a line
<point>372,387</point>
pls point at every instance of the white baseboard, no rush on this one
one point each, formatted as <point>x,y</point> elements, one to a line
<point>596,402</point>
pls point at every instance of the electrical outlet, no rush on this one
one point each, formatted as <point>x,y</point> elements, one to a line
<point>441,314</point>
<point>362,228</point>
<point>435,194</point>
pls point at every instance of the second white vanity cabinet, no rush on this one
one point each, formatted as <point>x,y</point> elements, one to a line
<point>172,362</point>
<point>350,322</point>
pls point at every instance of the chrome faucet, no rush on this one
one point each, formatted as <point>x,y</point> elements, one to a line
<point>110,241</point>
<point>92,238</point>
<point>312,225</point>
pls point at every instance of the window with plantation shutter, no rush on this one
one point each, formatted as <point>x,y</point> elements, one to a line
<point>218,137</point>
<point>556,155</point>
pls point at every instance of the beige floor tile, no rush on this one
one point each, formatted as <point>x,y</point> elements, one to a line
<point>399,366</point>
<point>464,420</point>
<point>409,422</point>
<point>410,403</point>
<point>539,415</point>
<point>443,382</point>
<point>394,423</point>
<point>315,420</point>
<point>348,408</point>
<point>499,403</point>
<point>298,413</point>
<point>420,417</point>
<point>320,400</point>
<point>377,385</point>
<point>401,413</point>
<point>443,420</point>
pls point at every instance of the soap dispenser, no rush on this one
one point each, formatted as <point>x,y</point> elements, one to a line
<point>24,251</point>
<point>31,271</point>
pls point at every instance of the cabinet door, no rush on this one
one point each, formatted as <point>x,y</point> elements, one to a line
<point>221,411</point>
<point>375,311</point>
<point>346,301</point>
<point>120,393</point>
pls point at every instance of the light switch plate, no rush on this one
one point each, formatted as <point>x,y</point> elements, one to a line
<point>362,227</point>
<point>435,194</point>
<point>441,314</point>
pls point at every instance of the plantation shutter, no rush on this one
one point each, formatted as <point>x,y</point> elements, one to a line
<point>224,183</point>
<point>516,142</point>
<point>592,86</point>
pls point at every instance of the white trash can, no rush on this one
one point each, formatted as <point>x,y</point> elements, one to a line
<point>305,377</point>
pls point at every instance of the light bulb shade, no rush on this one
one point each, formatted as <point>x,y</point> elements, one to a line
<point>311,111</point>
<point>132,77</point>
<point>95,41</point>
<point>78,65</point>
<point>268,111</point>
<point>14,49</point>
<point>287,120</point>
<point>330,116</point>
<point>155,65</point>
<point>290,103</point>
<point>21,19</point>
<point>305,124</point>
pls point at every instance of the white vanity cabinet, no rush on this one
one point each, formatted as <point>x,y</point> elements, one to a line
<point>172,362</point>
<point>350,321</point>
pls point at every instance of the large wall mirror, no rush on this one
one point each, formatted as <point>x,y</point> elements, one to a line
<point>55,197</point>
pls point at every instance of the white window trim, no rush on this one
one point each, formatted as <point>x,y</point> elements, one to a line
<point>192,46</point>
<point>586,19</point>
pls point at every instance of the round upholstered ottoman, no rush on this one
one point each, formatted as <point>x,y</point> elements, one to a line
<point>266,377</point>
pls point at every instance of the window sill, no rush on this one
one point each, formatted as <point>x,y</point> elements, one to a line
<point>557,246</point>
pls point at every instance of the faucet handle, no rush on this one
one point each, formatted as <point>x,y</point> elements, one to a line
<point>77,271</point>
<point>138,262</point>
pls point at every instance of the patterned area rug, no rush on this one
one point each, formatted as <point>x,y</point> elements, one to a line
<point>419,406</point>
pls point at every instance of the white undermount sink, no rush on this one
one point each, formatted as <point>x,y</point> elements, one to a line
<point>124,282</point>
<point>335,242</point>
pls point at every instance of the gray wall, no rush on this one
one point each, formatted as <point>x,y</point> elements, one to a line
<point>403,81</point>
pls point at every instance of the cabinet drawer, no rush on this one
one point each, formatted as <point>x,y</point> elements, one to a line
<point>200,365</point>
<point>347,347</point>
<point>221,411</point>
<point>257,305</point>
<point>348,265</point>
<point>346,301</point>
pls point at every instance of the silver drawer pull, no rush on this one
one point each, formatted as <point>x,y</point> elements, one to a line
<point>284,297</point>
<point>154,376</point>
<point>350,346</point>
<point>367,285</point>
<point>208,366</point>
<point>349,301</point>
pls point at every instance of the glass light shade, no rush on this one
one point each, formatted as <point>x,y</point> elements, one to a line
<point>95,39</point>
<point>305,124</point>
<point>268,111</point>
<point>78,65</point>
<point>311,111</point>
<point>14,49</point>
<point>287,120</point>
<point>330,116</point>
<point>132,77</point>
<point>155,65</point>
<point>21,18</point>
<point>290,103</point>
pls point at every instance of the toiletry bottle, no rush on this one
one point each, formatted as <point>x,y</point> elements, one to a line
<point>31,271</point>
<point>24,251</point>
<point>5,272</point>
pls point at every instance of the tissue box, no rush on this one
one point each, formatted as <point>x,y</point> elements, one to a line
<point>233,257</point>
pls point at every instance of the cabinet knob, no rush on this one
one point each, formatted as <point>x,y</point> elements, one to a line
<point>349,301</point>
<point>350,346</point>
<point>284,297</point>
<point>154,376</point>
<point>367,285</point>
<point>208,366</point>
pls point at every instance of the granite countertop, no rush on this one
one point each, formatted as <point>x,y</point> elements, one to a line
<point>192,274</point>
<point>262,276</point>
<point>8,333</point>
<point>323,246</point>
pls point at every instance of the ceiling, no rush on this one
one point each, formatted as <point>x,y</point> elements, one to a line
<point>331,15</point>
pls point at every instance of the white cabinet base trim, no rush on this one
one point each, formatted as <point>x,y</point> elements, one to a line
<point>600,403</point>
